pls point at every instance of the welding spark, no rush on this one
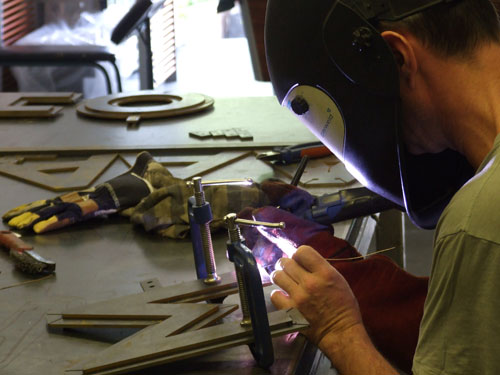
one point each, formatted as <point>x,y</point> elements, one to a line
<point>271,246</point>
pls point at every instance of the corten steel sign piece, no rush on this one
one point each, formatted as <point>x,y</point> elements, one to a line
<point>174,339</point>
<point>133,107</point>
<point>56,175</point>
<point>28,105</point>
<point>71,133</point>
<point>59,174</point>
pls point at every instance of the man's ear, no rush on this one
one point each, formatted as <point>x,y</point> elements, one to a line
<point>404,54</point>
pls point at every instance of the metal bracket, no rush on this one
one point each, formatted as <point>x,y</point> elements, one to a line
<point>57,176</point>
<point>155,344</point>
<point>150,347</point>
<point>143,309</point>
<point>28,105</point>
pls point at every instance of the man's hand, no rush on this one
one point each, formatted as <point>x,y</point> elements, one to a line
<point>318,291</point>
<point>325,299</point>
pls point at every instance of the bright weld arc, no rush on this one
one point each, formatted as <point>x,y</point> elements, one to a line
<point>284,244</point>
<point>262,270</point>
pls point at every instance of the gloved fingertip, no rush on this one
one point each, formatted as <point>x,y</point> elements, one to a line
<point>23,209</point>
<point>23,220</point>
<point>45,225</point>
<point>53,223</point>
<point>141,163</point>
<point>14,212</point>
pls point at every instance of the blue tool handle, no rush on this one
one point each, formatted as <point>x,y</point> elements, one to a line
<point>290,156</point>
<point>262,347</point>
<point>347,204</point>
<point>196,241</point>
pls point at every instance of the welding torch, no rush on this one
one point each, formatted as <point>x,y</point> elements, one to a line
<point>293,154</point>
<point>347,204</point>
<point>344,204</point>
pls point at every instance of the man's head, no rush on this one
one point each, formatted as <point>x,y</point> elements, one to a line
<point>431,48</point>
<point>452,29</point>
<point>354,86</point>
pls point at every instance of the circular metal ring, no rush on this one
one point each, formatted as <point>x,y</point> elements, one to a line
<point>122,106</point>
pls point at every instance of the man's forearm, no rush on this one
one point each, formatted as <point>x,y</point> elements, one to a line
<point>352,353</point>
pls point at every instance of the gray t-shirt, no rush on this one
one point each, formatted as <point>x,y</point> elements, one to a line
<point>460,329</point>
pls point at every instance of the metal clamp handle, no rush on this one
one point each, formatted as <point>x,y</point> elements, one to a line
<point>233,223</point>
<point>253,305</point>
<point>198,181</point>
<point>232,219</point>
<point>200,216</point>
<point>255,223</point>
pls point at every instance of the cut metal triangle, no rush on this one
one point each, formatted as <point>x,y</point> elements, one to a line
<point>80,174</point>
<point>155,345</point>
<point>142,309</point>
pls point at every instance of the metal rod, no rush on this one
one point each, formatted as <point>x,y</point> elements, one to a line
<point>241,181</point>
<point>254,223</point>
<point>233,222</point>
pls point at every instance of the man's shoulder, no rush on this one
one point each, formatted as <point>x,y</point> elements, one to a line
<point>475,208</point>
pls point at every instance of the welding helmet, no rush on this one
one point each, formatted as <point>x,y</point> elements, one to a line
<point>330,66</point>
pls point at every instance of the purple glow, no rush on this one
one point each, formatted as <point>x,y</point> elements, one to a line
<point>283,243</point>
<point>262,270</point>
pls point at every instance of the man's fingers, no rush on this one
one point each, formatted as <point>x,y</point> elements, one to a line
<point>292,269</point>
<point>280,300</point>
<point>284,281</point>
<point>310,259</point>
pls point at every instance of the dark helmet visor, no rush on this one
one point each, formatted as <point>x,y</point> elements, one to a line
<point>334,71</point>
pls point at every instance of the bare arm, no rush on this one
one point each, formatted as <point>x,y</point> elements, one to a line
<point>325,299</point>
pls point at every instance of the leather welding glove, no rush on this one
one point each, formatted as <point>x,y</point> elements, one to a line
<point>287,197</point>
<point>390,299</point>
<point>109,197</point>
<point>165,210</point>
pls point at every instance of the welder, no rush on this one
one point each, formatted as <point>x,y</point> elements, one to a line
<point>407,94</point>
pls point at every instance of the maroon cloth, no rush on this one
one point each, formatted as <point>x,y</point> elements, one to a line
<point>390,299</point>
